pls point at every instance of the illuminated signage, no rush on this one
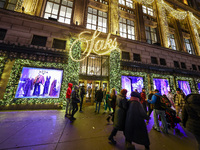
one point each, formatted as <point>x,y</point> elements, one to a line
<point>99,47</point>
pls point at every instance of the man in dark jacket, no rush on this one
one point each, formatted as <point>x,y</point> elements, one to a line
<point>82,94</point>
<point>98,97</point>
<point>191,115</point>
<point>75,100</point>
<point>158,110</point>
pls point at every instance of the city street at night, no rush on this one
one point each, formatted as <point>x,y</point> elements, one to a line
<point>49,130</point>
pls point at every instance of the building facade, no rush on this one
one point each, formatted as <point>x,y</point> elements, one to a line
<point>129,44</point>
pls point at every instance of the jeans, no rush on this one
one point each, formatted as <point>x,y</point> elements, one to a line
<point>163,119</point>
<point>98,103</point>
<point>68,106</point>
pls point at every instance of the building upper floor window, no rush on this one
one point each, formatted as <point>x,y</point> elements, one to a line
<point>183,66</point>
<point>162,62</point>
<point>136,57</point>
<point>147,10</point>
<point>11,4</point>
<point>127,28</point>
<point>39,40</point>
<point>176,64</point>
<point>2,34</point>
<point>171,42</point>
<point>189,46</point>
<point>150,35</point>
<point>102,1</point>
<point>128,3</point>
<point>97,19</point>
<point>194,67</point>
<point>2,3</point>
<point>154,60</point>
<point>125,56</point>
<point>60,44</point>
<point>60,10</point>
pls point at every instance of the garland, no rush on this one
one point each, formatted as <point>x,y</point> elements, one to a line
<point>2,65</point>
<point>115,75</point>
<point>170,79</point>
<point>9,96</point>
<point>190,80</point>
<point>139,74</point>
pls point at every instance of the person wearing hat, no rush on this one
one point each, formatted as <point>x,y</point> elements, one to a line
<point>135,127</point>
<point>178,101</point>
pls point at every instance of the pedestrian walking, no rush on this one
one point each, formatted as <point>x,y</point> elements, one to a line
<point>150,106</point>
<point>143,99</point>
<point>120,115</point>
<point>135,127</point>
<point>75,100</point>
<point>68,100</point>
<point>178,101</point>
<point>108,99</point>
<point>82,94</point>
<point>98,97</point>
<point>191,115</point>
<point>112,104</point>
<point>158,110</point>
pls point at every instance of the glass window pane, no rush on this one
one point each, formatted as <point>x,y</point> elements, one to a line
<point>93,27</point>
<point>55,9</point>
<point>67,20</point>
<point>64,2</point>
<point>94,19</point>
<point>69,12</point>
<point>70,4</point>
<point>104,22</point>
<point>47,16</point>
<point>95,11</point>
<point>49,7</point>
<point>89,19</point>
<point>62,11</point>
<point>100,13</point>
<point>100,21</point>
<point>61,19</point>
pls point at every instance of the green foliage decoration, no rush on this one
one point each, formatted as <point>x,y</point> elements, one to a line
<point>9,96</point>
<point>115,72</point>
<point>74,67</point>
<point>138,74</point>
<point>190,80</point>
<point>2,65</point>
<point>170,79</point>
<point>196,82</point>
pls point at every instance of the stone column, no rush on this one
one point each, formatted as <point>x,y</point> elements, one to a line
<point>113,17</point>
<point>140,27</point>
<point>78,15</point>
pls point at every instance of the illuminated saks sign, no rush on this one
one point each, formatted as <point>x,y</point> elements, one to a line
<point>99,47</point>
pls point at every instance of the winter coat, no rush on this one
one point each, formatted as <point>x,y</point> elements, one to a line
<point>69,90</point>
<point>82,92</point>
<point>135,127</point>
<point>191,113</point>
<point>120,112</point>
<point>99,96</point>
<point>156,101</point>
<point>143,97</point>
<point>75,96</point>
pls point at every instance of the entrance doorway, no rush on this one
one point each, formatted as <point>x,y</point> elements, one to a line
<point>91,87</point>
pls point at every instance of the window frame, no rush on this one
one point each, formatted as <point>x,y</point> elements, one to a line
<point>136,56</point>
<point>60,6</point>
<point>189,42</point>
<point>169,41</point>
<point>128,25</point>
<point>97,20</point>
<point>54,42</point>
<point>151,41</point>
<point>147,10</point>
<point>154,59</point>
<point>124,55</point>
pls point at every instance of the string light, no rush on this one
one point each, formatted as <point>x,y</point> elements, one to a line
<point>99,47</point>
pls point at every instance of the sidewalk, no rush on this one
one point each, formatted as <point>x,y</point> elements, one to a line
<point>49,130</point>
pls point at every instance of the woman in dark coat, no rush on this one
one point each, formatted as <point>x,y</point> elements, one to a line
<point>191,115</point>
<point>120,115</point>
<point>135,127</point>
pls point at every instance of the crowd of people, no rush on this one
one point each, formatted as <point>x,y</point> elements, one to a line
<point>129,115</point>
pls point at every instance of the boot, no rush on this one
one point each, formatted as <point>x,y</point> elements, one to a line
<point>110,138</point>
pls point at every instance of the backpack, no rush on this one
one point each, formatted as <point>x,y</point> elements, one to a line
<point>164,103</point>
